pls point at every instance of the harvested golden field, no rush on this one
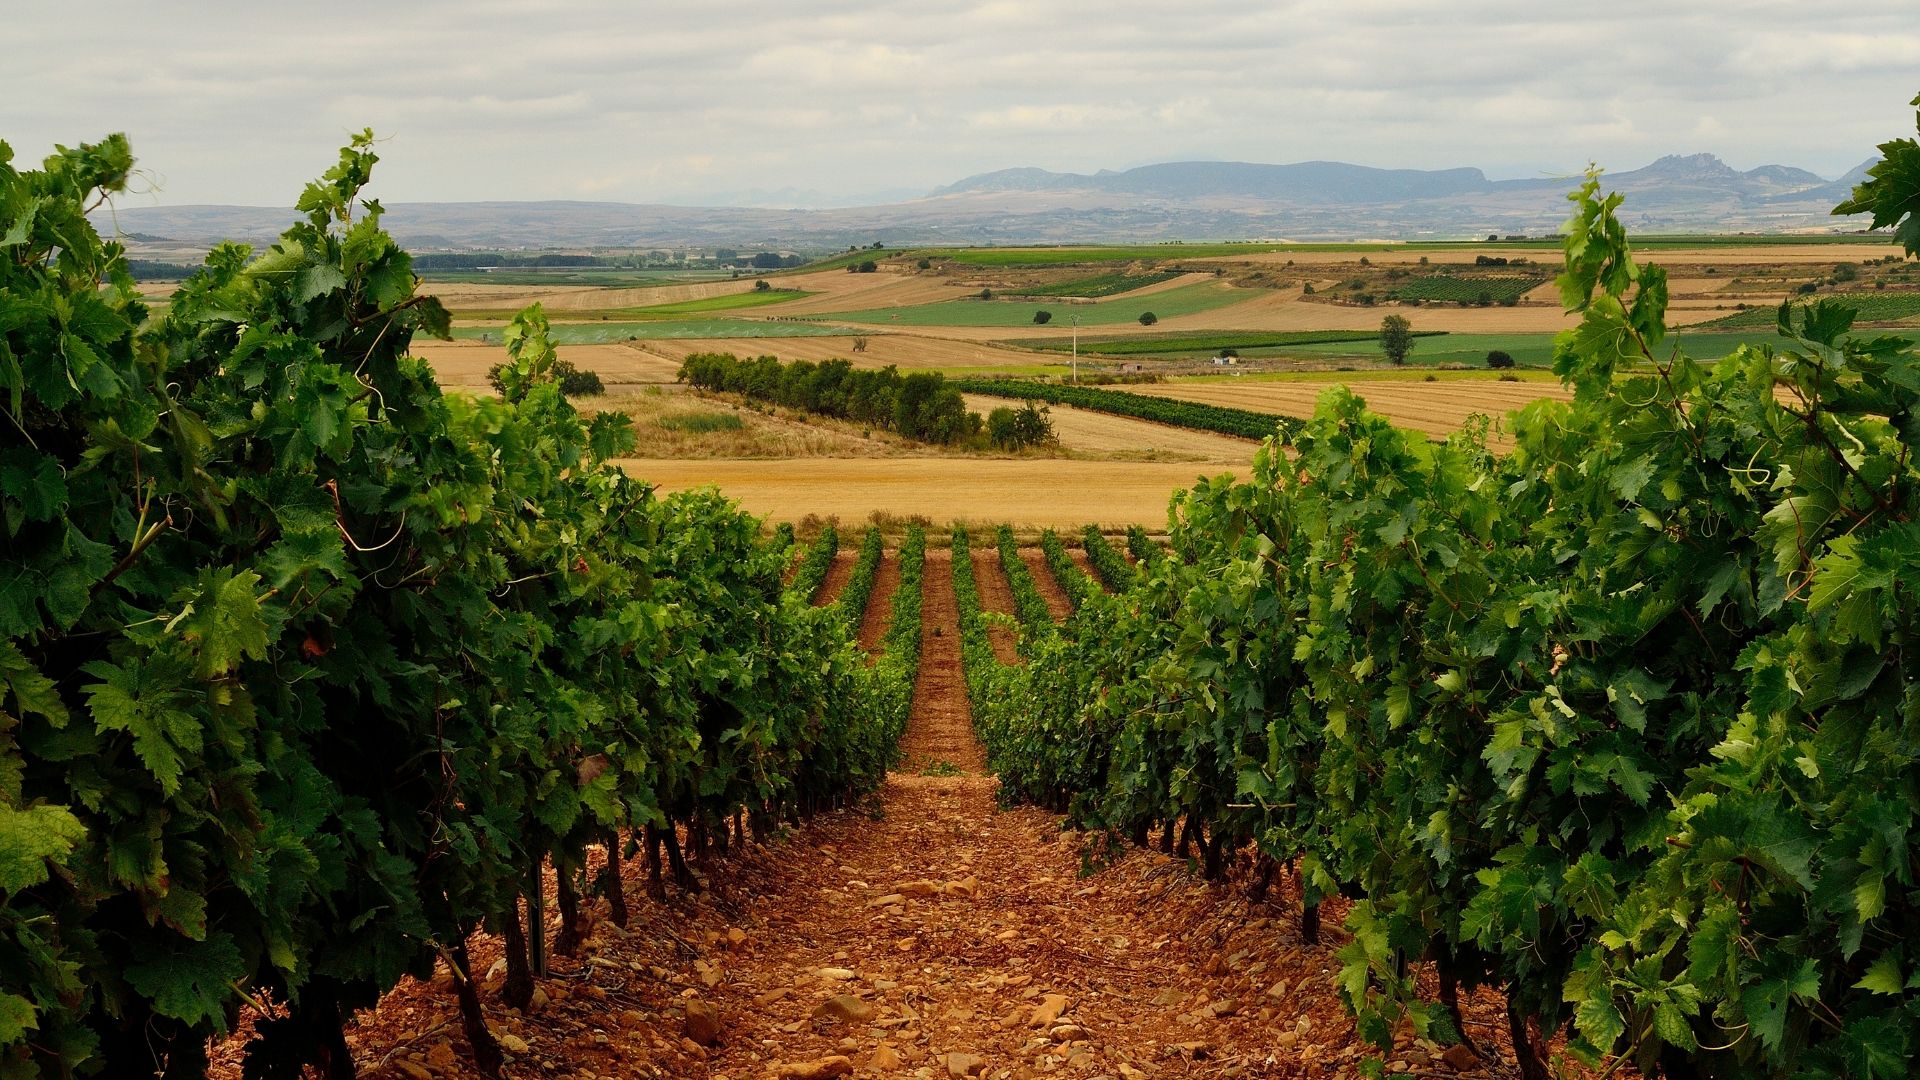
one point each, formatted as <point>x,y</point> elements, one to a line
<point>1433,408</point>
<point>837,290</point>
<point>464,364</point>
<point>917,350</point>
<point>1090,432</point>
<point>1035,492</point>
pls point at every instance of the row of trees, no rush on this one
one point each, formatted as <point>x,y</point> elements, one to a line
<point>919,405</point>
<point>308,671</point>
<point>1622,722</point>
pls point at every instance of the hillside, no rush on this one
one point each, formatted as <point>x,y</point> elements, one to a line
<point>1314,200</point>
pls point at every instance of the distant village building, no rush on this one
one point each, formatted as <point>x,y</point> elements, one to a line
<point>1132,368</point>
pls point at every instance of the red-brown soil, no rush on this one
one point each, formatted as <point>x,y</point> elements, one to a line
<point>1056,597</point>
<point>873,622</point>
<point>996,595</point>
<point>837,574</point>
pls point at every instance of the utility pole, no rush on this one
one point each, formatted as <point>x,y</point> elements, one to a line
<point>1076,348</point>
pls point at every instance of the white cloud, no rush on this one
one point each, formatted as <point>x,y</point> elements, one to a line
<point>235,101</point>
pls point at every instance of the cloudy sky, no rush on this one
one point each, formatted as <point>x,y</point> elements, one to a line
<point>802,102</point>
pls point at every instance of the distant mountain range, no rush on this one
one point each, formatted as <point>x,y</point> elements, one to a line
<point>1190,200</point>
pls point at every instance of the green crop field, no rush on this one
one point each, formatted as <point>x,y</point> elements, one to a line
<point>1450,289</point>
<point>1187,300</point>
<point>1873,307</point>
<point>1208,344</point>
<point>605,333</point>
<point>1101,284</point>
<point>725,302</point>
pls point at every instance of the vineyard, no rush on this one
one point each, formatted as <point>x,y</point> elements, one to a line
<point>1621,722</point>
<point>1448,289</point>
<point>1188,414</point>
<point>1592,749</point>
<point>1868,308</point>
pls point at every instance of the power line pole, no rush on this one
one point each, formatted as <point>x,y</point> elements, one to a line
<point>1076,348</point>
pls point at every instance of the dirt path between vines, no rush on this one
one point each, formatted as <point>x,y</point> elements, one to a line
<point>1085,563</point>
<point>1056,597</point>
<point>940,731</point>
<point>990,578</point>
<point>873,621</point>
<point>838,572</point>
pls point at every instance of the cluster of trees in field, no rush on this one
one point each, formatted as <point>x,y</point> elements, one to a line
<point>920,405</point>
<point>1623,722</point>
<point>308,671</point>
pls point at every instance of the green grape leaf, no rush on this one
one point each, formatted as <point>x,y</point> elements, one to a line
<point>188,980</point>
<point>148,701</point>
<point>221,620</point>
<point>1883,976</point>
<point>17,1017</point>
<point>30,839</point>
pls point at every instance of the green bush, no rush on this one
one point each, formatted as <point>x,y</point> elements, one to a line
<point>1017,429</point>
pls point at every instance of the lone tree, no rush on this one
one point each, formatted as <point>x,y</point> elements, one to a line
<point>1396,338</point>
<point>1499,358</point>
<point>1042,317</point>
<point>1148,318</point>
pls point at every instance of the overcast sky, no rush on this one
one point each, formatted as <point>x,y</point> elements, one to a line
<point>739,100</point>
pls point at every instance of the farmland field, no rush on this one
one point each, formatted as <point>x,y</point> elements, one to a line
<point>1431,408</point>
<point>601,333</point>
<point>1200,344</point>
<point>1035,492</point>
<point>599,277</point>
<point>725,302</point>
<point>1102,284</point>
<point>1880,307</point>
<point>1187,300</point>
<point>1449,289</point>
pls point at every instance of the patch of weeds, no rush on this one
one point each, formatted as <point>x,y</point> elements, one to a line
<point>701,423</point>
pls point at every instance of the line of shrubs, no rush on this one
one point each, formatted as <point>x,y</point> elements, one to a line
<point>919,405</point>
